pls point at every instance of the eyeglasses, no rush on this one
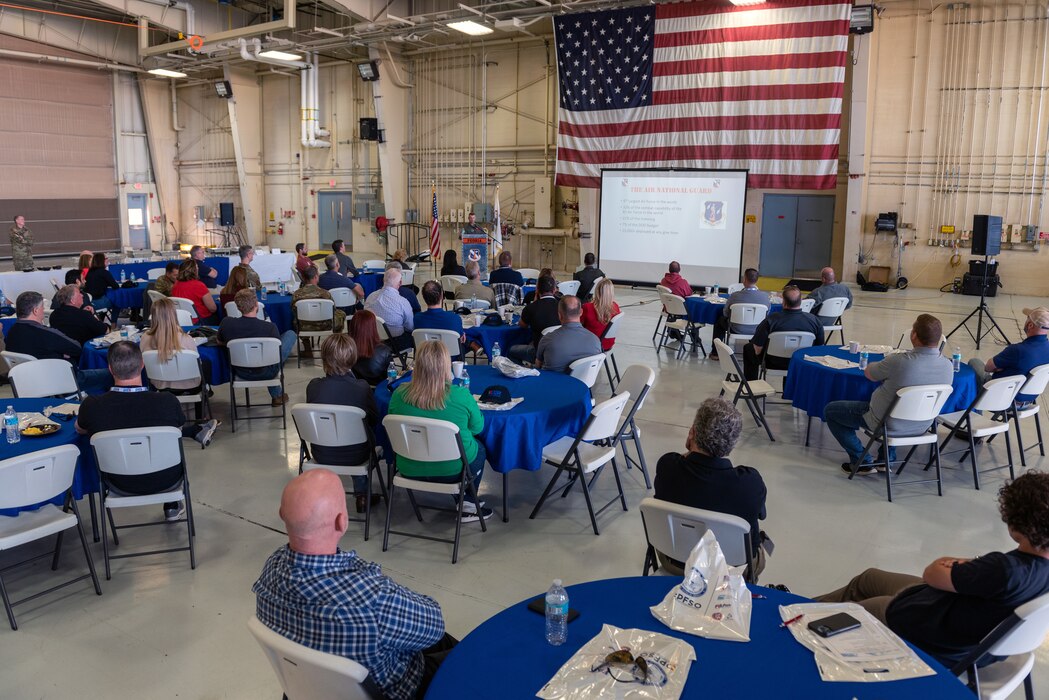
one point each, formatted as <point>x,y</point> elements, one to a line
<point>637,666</point>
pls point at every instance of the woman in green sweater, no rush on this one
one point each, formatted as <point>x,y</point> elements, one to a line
<point>431,394</point>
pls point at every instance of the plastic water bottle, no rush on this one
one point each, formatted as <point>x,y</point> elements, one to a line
<point>556,614</point>
<point>391,376</point>
<point>956,359</point>
<point>863,359</point>
<point>496,350</point>
<point>123,277</point>
<point>466,379</point>
<point>11,425</point>
<point>264,293</point>
<point>473,302</point>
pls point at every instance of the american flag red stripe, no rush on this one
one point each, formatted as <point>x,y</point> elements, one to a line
<point>435,230</point>
<point>696,85</point>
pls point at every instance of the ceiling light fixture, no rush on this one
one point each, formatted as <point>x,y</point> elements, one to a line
<point>279,55</point>
<point>167,73</point>
<point>468,26</point>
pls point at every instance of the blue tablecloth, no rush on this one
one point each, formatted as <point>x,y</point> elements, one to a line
<point>141,270</point>
<point>97,358</point>
<point>554,405</point>
<point>127,298</point>
<point>85,478</point>
<point>6,323</point>
<point>509,652</point>
<point>369,281</point>
<point>505,335</point>
<point>702,311</point>
<point>810,386</point>
<point>278,309</point>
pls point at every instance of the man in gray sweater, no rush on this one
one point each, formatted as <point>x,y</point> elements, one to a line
<point>829,289</point>
<point>750,294</point>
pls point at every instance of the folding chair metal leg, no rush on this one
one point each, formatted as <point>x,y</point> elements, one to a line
<point>458,523</point>
<point>1041,443</point>
<point>233,405</point>
<point>650,561</point>
<point>389,511</point>
<point>808,428</point>
<point>58,550</point>
<point>7,604</point>
<point>659,321</point>
<point>939,476</point>
<point>506,491</point>
<point>546,492</point>
<point>87,552</point>
<point>94,517</point>
<point>589,505</point>
<point>972,459</point>
<point>615,366</point>
<point>368,505</point>
<point>608,372</point>
<point>190,530</point>
<point>1009,455</point>
<point>619,483</point>
<point>415,506</point>
<point>105,537</point>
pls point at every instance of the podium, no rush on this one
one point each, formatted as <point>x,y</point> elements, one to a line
<point>475,249</point>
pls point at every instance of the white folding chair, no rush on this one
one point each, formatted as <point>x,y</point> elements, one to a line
<point>42,379</point>
<point>807,305</point>
<point>673,530</point>
<point>663,316</point>
<point>744,315</point>
<point>343,297</point>
<point>407,276</point>
<point>1016,638</point>
<point>912,403</point>
<point>328,425</point>
<point>735,287</point>
<point>184,365</point>
<point>308,673</point>
<point>254,353</point>
<point>549,329</point>
<point>753,392</point>
<point>675,306</point>
<point>637,381</point>
<point>450,339</point>
<point>587,453</point>
<point>155,296</point>
<point>319,310</point>
<point>428,440</point>
<point>529,274</point>
<point>231,310</point>
<point>13,359</point>
<point>977,421</point>
<point>782,345</point>
<point>569,288</point>
<point>184,317</point>
<point>375,264</point>
<point>184,305</point>
<point>30,479</point>
<point>834,308</point>
<point>1037,379</point>
<point>155,273</point>
<point>138,452</point>
<point>587,369</point>
<point>387,337</point>
<point>593,286</point>
<point>610,333</point>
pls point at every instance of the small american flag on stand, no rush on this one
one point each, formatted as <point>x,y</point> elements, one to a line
<point>704,85</point>
<point>435,229</point>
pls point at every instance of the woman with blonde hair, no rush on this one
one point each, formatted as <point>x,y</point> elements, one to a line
<point>431,394</point>
<point>600,310</point>
<point>167,337</point>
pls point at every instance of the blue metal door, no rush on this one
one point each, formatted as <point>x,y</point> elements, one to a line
<point>779,218</point>
<point>334,218</point>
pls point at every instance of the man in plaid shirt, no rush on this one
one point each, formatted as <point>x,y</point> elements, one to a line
<point>315,594</point>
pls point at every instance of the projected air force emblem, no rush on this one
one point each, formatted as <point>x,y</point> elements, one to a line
<point>714,213</point>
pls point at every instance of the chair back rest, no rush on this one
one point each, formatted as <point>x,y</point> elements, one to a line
<point>183,365</point>
<point>12,359</point>
<point>833,307</point>
<point>155,273</point>
<point>407,276</point>
<point>254,352</point>
<point>736,287</point>
<point>807,305</point>
<point>184,304</point>
<point>54,283</point>
<point>921,403</point>
<point>42,378</point>
<point>725,359</point>
<point>675,529</point>
<point>587,369</point>
<point>1037,379</point>
<point>674,304</point>
<point>507,293</point>
<point>784,343</point>
<point>185,318</point>
<point>748,314</point>
<point>594,284</point>
<point>998,394</point>
<point>39,476</point>
<point>375,264</point>
<point>943,343</point>
<point>612,329</point>
<point>529,273</point>
<point>549,329</point>
<point>343,297</point>
<point>569,288</point>
<point>308,673</point>
<point>1030,633</point>
<point>315,309</point>
<point>662,289</point>
<point>136,451</point>
<point>604,418</point>
<point>636,380</point>
<point>450,339</point>
<point>450,283</point>
<point>154,295</point>
<point>423,439</point>
<point>329,425</point>
<point>231,309</point>
<point>380,326</point>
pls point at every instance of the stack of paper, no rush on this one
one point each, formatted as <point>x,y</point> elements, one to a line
<point>831,361</point>
<point>874,349</point>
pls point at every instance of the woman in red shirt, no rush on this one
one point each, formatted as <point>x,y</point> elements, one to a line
<point>190,287</point>
<point>597,313</point>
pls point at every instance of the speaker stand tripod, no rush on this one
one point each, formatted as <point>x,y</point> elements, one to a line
<point>979,312</point>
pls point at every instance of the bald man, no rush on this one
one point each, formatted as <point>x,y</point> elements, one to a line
<point>317,595</point>
<point>828,289</point>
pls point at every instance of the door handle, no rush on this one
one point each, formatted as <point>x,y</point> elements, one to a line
<point>340,211</point>
<point>333,211</point>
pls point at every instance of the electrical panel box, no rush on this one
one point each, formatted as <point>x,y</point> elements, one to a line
<point>360,210</point>
<point>483,211</point>
<point>544,202</point>
<point>411,216</point>
<point>1015,233</point>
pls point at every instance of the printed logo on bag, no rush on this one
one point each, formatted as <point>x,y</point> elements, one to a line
<point>716,616</point>
<point>695,584</point>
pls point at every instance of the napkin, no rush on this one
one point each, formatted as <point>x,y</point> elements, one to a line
<point>831,361</point>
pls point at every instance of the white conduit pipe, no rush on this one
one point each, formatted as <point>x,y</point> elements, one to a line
<point>174,109</point>
<point>308,95</point>
<point>315,76</point>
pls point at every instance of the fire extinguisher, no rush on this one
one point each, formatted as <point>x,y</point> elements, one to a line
<point>280,229</point>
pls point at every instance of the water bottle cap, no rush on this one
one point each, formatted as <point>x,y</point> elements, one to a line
<point>557,582</point>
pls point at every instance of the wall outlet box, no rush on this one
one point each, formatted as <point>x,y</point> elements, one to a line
<point>1015,233</point>
<point>965,234</point>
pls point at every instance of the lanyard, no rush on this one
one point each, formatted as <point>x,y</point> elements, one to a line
<point>130,389</point>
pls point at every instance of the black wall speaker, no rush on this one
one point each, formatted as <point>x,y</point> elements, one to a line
<point>226,214</point>
<point>987,235</point>
<point>369,129</point>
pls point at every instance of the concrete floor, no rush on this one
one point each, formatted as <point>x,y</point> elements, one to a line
<point>161,630</point>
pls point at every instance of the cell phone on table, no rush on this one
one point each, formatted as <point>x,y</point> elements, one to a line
<point>539,606</point>
<point>835,624</point>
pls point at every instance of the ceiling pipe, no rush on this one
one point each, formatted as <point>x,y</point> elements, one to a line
<point>253,55</point>
<point>174,108</point>
<point>315,78</point>
<point>307,93</point>
<point>69,61</point>
<point>191,23</point>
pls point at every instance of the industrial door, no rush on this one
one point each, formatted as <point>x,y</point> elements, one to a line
<point>138,221</point>
<point>334,218</point>
<point>796,234</point>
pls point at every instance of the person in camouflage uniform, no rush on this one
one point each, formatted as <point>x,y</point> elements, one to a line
<point>247,254</point>
<point>310,290</point>
<point>21,245</point>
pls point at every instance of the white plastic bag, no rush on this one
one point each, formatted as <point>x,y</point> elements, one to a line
<point>712,601</point>
<point>512,370</point>
<point>659,674</point>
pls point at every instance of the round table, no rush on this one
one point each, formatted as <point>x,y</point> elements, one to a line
<point>94,357</point>
<point>127,297</point>
<point>506,335</point>
<point>141,270</point>
<point>811,386</point>
<point>6,323</point>
<point>702,311</point>
<point>509,652</point>
<point>369,281</point>
<point>85,478</point>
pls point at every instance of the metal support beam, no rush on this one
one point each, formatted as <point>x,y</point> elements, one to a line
<point>286,22</point>
<point>245,118</point>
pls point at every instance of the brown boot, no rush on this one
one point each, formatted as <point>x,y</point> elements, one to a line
<point>280,400</point>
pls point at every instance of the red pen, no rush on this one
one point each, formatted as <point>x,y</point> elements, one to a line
<point>791,621</point>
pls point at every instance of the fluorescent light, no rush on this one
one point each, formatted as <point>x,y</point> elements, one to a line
<point>279,55</point>
<point>167,73</point>
<point>468,26</point>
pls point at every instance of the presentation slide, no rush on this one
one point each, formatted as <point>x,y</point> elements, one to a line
<point>650,217</point>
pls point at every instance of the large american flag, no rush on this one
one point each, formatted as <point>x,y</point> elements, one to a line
<point>704,85</point>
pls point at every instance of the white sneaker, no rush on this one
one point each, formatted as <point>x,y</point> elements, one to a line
<point>469,507</point>
<point>173,514</point>
<point>474,516</point>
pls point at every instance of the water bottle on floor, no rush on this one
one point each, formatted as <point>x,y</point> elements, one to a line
<point>556,614</point>
<point>496,350</point>
<point>11,425</point>
<point>956,359</point>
